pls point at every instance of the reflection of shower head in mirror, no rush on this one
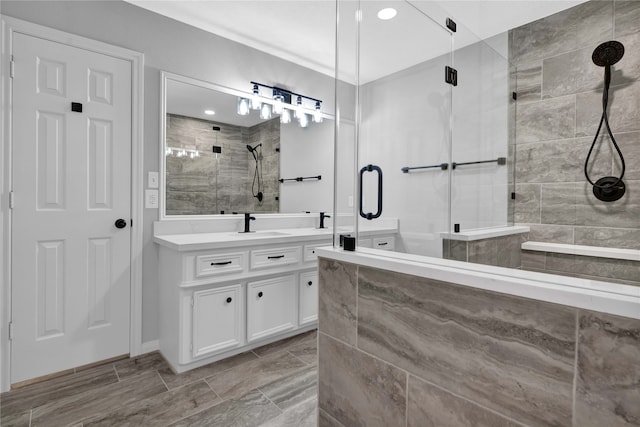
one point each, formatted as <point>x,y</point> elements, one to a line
<point>252,149</point>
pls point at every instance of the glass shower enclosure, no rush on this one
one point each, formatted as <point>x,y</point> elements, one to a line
<point>423,115</point>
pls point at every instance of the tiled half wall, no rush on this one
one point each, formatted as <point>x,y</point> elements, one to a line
<point>558,109</point>
<point>400,350</point>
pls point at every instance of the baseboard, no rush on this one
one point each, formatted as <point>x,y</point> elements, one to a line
<point>149,346</point>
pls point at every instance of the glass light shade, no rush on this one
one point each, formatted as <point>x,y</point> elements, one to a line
<point>265,112</point>
<point>303,120</point>
<point>277,107</point>
<point>317,114</point>
<point>298,113</point>
<point>255,99</point>
<point>243,106</point>
<point>285,116</point>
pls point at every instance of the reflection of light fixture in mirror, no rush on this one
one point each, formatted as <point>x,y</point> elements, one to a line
<point>298,113</point>
<point>209,112</point>
<point>265,112</point>
<point>181,152</point>
<point>278,98</point>
<point>285,116</point>
<point>317,114</point>
<point>255,99</point>
<point>303,120</point>
<point>387,13</point>
<point>243,106</point>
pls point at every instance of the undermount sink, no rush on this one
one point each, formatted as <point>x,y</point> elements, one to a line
<point>260,234</point>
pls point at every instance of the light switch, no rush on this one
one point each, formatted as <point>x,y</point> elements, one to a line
<point>151,199</point>
<point>152,180</point>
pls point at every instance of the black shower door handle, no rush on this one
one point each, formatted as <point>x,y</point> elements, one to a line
<point>371,168</point>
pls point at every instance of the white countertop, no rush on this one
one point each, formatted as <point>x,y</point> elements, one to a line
<point>485,233</point>
<point>228,239</point>
<point>621,300</point>
<point>594,251</point>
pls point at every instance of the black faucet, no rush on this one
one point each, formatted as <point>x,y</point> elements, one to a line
<point>247,219</point>
<point>322,217</point>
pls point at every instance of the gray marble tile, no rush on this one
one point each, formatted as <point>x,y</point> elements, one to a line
<point>306,339</point>
<point>527,203</point>
<point>533,261</point>
<point>608,378</point>
<point>326,420</point>
<point>608,237</point>
<point>551,233</point>
<point>162,409</point>
<point>509,250</point>
<point>513,355</point>
<point>20,400</point>
<point>624,116</point>
<point>139,365</point>
<point>304,414</point>
<point>623,213</point>
<point>627,17</point>
<point>604,268</point>
<point>176,380</point>
<point>629,144</point>
<point>558,203</point>
<point>529,82</point>
<point>483,251</point>
<point>337,299</point>
<point>15,419</point>
<point>293,389</point>
<point>429,406</point>
<point>550,119</point>
<point>98,401</point>
<point>306,351</point>
<point>570,73</point>
<point>357,389</point>
<point>458,250</point>
<point>250,410</point>
<point>627,69</point>
<point>236,381</point>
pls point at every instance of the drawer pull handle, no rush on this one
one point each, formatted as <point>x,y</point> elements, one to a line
<point>275,257</point>
<point>221,263</point>
<point>260,294</point>
<point>383,244</point>
<point>309,283</point>
<point>229,300</point>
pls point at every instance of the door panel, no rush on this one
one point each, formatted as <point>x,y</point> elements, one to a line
<point>72,180</point>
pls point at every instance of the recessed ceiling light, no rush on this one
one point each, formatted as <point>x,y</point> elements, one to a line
<point>209,112</point>
<point>387,13</point>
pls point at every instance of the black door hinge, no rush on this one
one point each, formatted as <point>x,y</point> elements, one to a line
<point>451,24</point>
<point>451,75</point>
<point>514,95</point>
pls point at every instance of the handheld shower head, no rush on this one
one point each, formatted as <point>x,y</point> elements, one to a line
<point>252,149</point>
<point>608,53</point>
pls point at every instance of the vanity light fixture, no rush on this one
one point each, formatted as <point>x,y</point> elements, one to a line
<point>209,112</point>
<point>255,99</point>
<point>387,13</point>
<point>265,111</point>
<point>243,106</point>
<point>280,102</point>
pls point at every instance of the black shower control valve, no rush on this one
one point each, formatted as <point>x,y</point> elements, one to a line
<point>229,300</point>
<point>217,149</point>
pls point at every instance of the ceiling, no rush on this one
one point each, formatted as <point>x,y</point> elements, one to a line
<point>303,31</point>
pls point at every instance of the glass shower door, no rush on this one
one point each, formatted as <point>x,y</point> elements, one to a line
<point>393,75</point>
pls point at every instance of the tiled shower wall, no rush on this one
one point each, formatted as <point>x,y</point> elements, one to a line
<point>208,185</point>
<point>398,350</point>
<point>557,113</point>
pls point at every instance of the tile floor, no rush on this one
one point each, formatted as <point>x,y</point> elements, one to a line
<point>274,385</point>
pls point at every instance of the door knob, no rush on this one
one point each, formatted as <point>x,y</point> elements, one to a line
<point>120,223</point>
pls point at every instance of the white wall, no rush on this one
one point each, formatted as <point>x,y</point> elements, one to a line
<point>178,48</point>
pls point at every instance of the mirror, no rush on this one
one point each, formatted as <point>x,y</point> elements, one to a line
<point>225,163</point>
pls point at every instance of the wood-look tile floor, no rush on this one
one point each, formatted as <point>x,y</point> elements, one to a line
<point>274,385</point>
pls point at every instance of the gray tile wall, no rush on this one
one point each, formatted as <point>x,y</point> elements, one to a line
<point>421,352</point>
<point>503,251</point>
<point>209,184</point>
<point>557,113</point>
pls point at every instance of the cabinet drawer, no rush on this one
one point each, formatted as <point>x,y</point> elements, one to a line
<point>213,265</point>
<point>265,258</point>
<point>308,297</point>
<point>364,243</point>
<point>386,243</point>
<point>310,251</point>
<point>271,307</point>
<point>217,320</point>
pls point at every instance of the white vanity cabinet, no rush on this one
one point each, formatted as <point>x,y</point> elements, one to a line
<point>308,297</point>
<point>271,307</point>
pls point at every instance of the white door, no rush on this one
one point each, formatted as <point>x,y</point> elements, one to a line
<point>71,181</point>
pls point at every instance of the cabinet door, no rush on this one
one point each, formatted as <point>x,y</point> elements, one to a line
<point>308,295</point>
<point>271,307</point>
<point>217,320</point>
